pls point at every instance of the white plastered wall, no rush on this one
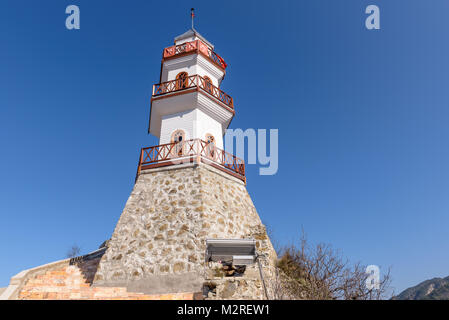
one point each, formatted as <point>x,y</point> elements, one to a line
<point>195,123</point>
<point>207,125</point>
<point>170,123</point>
<point>193,64</point>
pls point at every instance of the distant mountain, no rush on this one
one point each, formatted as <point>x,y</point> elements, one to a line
<point>433,289</point>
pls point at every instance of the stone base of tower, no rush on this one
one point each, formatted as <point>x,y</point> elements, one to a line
<point>159,242</point>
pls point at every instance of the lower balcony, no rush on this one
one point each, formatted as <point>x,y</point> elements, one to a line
<point>191,151</point>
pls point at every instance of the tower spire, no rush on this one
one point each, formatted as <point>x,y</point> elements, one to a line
<point>192,15</point>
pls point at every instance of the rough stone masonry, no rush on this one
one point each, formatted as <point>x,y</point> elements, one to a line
<point>158,245</point>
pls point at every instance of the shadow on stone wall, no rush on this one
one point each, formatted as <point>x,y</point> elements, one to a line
<point>88,264</point>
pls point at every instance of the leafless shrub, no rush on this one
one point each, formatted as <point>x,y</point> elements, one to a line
<point>318,272</point>
<point>74,251</point>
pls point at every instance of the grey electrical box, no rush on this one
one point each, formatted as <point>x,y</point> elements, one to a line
<point>237,251</point>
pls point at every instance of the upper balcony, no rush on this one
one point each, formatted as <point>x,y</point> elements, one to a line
<point>196,46</point>
<point>193,82</point>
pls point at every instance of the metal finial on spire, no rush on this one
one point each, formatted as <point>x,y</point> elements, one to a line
<point>192,15</point>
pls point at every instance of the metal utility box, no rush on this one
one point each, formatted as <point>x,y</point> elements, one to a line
<point>237,251</point>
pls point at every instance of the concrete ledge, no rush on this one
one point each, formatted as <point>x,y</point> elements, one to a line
<point>169,168</point>
<point>158,284</point>
<point>194,165</point>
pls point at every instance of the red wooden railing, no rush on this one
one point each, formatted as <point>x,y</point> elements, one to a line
<point>195,81</point>
<point>197,46</point>
<point>195,150</point>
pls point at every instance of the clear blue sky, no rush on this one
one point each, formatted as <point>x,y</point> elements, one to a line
<point>362,118</point>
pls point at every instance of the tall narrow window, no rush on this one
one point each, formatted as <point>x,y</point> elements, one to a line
<point>182,80</point>
<point>178,138</point>
<point>210,149</point>
<point>207,84</point>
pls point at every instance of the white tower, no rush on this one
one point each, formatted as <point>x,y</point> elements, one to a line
<point>189,200</point>
<point>188,103</point>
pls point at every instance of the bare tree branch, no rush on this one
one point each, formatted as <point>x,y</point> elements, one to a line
<point>321,273</point>
<point>74,251</point>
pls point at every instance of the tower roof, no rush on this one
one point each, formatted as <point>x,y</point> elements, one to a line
<point>192,33</point>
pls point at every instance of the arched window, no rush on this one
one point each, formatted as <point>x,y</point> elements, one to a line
<point>178,138</point>
<point>207,84</point>
<point>182,80</point>
<point>210,148</point>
